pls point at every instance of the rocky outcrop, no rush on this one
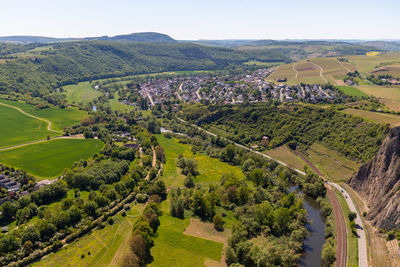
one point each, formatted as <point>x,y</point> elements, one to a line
<point>378,182</point>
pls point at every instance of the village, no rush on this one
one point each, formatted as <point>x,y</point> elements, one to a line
<point>234,89</point>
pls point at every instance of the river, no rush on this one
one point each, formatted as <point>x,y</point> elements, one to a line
<point>316,230</point>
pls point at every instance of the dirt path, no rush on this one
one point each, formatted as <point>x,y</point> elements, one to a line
<point>320,72</point>
<point>153,164</point>
<point>78,136</point>
<point>32,116</point>
<point>294,68</point>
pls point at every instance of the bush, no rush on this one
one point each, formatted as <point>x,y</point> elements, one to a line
<point>110,221</point>
<point>352,216</point>
<point>218,222</point>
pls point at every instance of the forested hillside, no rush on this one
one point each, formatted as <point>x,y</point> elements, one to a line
<point>352,136</point>
<point>44,68</point>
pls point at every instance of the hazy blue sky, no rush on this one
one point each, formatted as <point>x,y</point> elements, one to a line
<point>204,19</point>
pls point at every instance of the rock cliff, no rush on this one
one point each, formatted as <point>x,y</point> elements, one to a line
<point>378,182</point>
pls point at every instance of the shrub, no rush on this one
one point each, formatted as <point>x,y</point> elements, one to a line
<point>110,221</point>
<point>218,222</point>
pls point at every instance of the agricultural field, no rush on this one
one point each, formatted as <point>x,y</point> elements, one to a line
<point>17,128</point>
<point>103,247</point>
<point>333,165</point>
<point>392,119</point>
<point>48,159</point>
<point>81,93</point>
<point>283,153</point>
<point>352,91</point>
<point>59,117</point>
<point>367,63</point>
<point>284,71</point>
<point>390,96</point>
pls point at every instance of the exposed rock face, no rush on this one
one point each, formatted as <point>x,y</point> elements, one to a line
<point>378,182</point>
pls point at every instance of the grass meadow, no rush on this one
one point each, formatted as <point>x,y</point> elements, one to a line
<point>81,93</point>
<point>284,154</point>
<point>48,159</point>
<point>390,96</point>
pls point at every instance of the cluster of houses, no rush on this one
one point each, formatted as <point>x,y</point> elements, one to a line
<point>232,89</point>
<point>9,184</point>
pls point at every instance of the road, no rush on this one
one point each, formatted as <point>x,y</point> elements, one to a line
<point>362,240</point>
<point>341,250</point>
<point>198,93</point>
<point>32,116</point>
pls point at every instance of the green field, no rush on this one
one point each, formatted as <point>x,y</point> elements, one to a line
<point>172,246</point>
<point>380,117</point>
<point>48,159</point>
<point>116,105</point>
<point>60,118</point>
<point>107,246</point>
<point>81,93</point>
<point>210,169</point>
<point>352,91</point>
<point>17,128</point>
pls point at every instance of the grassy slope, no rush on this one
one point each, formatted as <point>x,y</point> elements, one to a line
<point>106,246</point>
<point>390,95</point>
<point>116,105</point>
<point>172,247</point>
<point>49,159</point>
<point>59,118</point>
<point>335,166</point>
<point>17,128</point>
<point>284,154</point>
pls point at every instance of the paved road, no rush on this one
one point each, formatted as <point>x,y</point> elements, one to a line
<point>32,116</point>
<point>362,240</point>
<point>342,234</point>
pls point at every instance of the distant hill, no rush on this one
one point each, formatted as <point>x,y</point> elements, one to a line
<point>141,37</point>
<point>31,39</point>
<point>384,45</point>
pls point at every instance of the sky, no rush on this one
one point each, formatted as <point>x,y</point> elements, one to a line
<point>204,19</point>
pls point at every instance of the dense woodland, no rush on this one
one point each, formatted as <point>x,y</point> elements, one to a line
<point>46,67</point>
<point>352,136</point>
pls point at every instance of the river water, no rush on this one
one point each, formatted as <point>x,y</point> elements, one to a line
<point>316,230</point>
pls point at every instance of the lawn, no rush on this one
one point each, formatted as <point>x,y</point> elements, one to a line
<point>81,93</point>
<point>107,246</point>
<point>352,91</point>
<point>392,119</point>
<point>284,154</point>
<point>17,128</point>
<point>116,105</point>
<point>335,166</point>
<point>48,159</point>
<point>60,118</point>
<point>352,240</point>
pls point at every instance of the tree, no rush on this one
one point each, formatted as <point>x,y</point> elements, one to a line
<point>352,215</point>
<point>328,254</point>
<point>218,222</point>
<point>9,243</point>
<point>257,176</point>
<point>189,181</point>
<point>131,260</point>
